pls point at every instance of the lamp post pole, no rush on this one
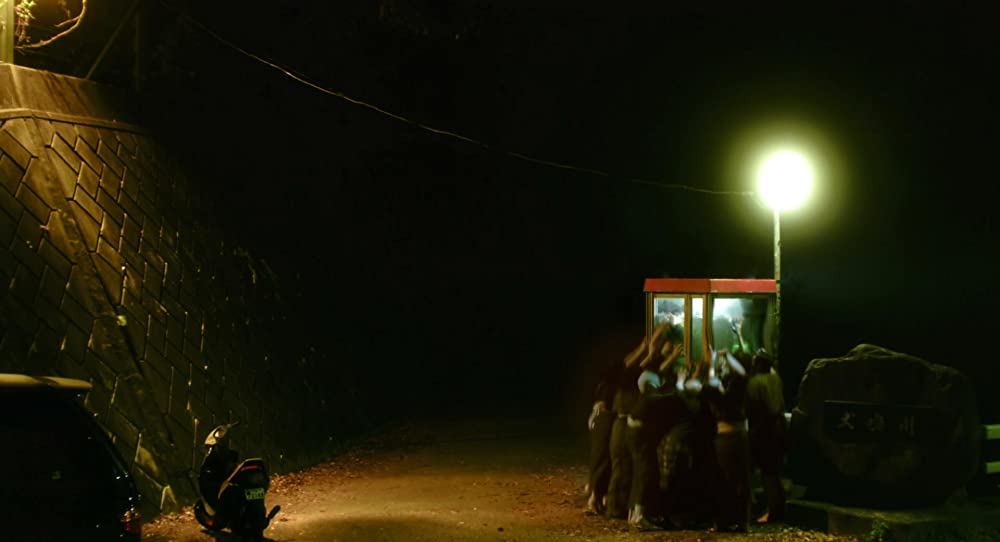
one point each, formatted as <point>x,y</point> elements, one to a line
<point>7,31</point>
<point>777,284</point>
<point>785,180</point>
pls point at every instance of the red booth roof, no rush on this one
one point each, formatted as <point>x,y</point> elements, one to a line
<point>704,286</point>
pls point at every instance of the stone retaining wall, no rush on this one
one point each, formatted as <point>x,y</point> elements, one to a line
<point>112,272</point>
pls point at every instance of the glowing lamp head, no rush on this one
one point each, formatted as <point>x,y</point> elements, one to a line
<point>785,180</point>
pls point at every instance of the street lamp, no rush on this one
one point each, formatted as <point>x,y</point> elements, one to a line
<point>784,181</point>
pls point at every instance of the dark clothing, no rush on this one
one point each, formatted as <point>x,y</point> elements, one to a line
<point>731,405</point>
<point>621,471</point>
<point>676,467</point>
<point>650,407</point>
<point>766,415</point>
<point>675,455</point>
<point>600,435</point>
<point>687,463</point>
<point>626,393</point>
<point>733,454</point>
<point>627,390</point>
<point>651,410</point>
<point>600,454</point>
<point>765,396</point>
<point>675,447</point>
<point>767,445</point>
<point>765,407</point>
<point>641,443</point>
<point>608,382</point>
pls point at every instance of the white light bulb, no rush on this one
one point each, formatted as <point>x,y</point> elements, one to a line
<point>785,180</point>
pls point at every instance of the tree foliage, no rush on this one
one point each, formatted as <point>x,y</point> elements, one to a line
<point>35,26</point>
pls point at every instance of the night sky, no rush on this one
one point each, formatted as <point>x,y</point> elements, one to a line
<point>450,272</point>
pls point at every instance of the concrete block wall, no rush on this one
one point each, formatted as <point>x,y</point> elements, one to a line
<point>110,271</point>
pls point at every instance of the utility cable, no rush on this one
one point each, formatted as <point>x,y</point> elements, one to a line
<point>447,133</point>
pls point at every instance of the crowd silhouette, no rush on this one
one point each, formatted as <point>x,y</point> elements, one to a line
<point>674,440</point>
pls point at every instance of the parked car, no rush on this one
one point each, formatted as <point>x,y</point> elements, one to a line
<point>61,478</point>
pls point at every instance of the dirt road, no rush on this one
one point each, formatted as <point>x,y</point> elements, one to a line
<point>449,481</point>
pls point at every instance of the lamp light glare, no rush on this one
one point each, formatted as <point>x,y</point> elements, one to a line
<point>785,180</point>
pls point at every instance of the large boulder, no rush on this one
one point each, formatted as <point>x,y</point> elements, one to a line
<point>877,427</point>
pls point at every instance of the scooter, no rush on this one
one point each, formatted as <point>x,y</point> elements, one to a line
<point>232,491</point>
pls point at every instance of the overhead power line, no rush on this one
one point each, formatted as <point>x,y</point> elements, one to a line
<point>447,133</point>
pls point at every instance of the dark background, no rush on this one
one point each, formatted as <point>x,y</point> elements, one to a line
<point>458,277</point>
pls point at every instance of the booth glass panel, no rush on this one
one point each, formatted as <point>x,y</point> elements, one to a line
<point>752,315</point>
<point>668,309</point>
<point>671,309</point>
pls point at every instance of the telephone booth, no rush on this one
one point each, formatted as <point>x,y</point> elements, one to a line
<point>704,311</point>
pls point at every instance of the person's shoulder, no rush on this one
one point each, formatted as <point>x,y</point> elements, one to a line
<point>757,385</point>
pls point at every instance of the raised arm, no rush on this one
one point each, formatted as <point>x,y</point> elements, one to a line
<point>735,365</point>
<point>671,351</point>
<point>634,356</point>
<point>653,346</point>
<point>737,327</point>
<point>705,363</point>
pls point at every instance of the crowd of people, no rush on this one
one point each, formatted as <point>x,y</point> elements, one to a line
<point>674,441</point>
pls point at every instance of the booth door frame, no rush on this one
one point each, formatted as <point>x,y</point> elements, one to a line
<point>706,319</point>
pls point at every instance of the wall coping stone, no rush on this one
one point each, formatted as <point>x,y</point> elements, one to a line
<point>65,95</point>
<point>20,113</point>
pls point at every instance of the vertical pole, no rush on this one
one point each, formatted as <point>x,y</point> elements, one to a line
<point>111,40</point>
<point>688,358</point>
<point>136,49</point>
<point>139,46</point>
<point>777,285</point>
<point>7,31</point>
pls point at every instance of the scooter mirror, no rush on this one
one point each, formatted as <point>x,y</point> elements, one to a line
<point>218,435</point>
